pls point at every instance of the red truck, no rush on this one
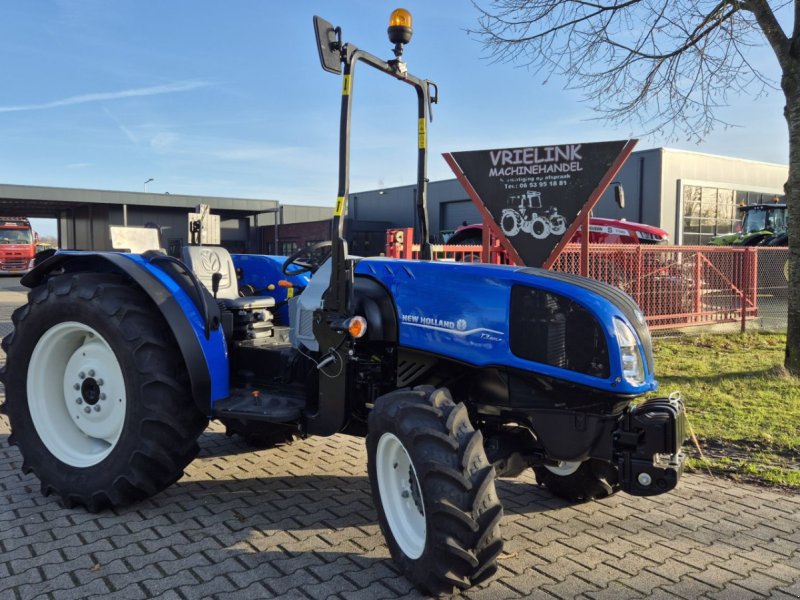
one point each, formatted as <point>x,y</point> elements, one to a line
<point>17,245</point>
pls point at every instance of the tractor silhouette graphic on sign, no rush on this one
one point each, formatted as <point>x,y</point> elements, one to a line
<point>529,217</point>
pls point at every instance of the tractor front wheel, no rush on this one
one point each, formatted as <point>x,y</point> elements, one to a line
<point>434,490</point>
<point>97,393</point>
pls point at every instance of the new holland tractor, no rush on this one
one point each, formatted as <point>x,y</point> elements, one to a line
<point>455,373</point>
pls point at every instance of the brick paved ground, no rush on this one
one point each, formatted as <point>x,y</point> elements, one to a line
<point>298,522</point>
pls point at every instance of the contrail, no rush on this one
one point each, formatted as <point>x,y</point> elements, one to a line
<point>169,88</point>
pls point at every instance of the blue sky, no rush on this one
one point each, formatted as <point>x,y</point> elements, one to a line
<point>228,99</point>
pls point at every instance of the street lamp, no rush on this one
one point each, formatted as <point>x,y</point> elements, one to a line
<point>146,182</point>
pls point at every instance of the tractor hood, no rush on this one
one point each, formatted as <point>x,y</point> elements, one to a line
<point>563,326</point>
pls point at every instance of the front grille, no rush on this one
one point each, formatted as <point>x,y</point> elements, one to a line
<point>16,264</point>
<point>621,300</point>
<point>553,330</point>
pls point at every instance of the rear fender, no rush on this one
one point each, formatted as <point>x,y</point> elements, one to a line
<point>205,357</point>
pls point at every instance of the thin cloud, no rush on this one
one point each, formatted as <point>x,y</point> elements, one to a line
<point>156,90</point>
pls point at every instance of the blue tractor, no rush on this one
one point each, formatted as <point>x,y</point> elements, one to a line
<point>455,373</point>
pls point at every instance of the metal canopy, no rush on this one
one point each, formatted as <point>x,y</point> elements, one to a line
<point>40,201</point>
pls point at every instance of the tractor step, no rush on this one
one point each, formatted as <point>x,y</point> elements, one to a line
<point>278,404</point>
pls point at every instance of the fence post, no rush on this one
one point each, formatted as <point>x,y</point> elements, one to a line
<point>585,245</point>
<point>407,249</point>
<point>750,282</point>
<point>698,284</point>
<point>391,243</point>
<point>639,274</point>
<point>486,237</point>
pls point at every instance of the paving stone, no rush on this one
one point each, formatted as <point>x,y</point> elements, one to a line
<point>615,591</point>
<point>734,592</point>
<point>298,522</point>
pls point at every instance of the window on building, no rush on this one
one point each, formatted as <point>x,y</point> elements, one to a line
<point>711,211</point>
<point>288,248</point>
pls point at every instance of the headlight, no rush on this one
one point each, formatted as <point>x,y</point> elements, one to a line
<point>632,367</point>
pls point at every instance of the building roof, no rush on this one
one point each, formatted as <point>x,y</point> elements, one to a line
<point>41,201</point>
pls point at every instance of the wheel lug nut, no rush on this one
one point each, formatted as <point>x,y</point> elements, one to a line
<point>82,375</point>
<point>78,400</point>
<point>87,409</point>
<point>77,386</point>
<point>91,372</point>
<point>99,382</point>
<point>96,408</point>
<point>102,396</point>
<point>405,494</point>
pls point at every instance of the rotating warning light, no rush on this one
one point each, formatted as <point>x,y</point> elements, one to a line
<point>400,26</point>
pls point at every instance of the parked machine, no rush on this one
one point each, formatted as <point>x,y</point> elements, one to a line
<point>601,231</point>
<point>762,224</point>
<point>455,373</point>
<point>17,245</point>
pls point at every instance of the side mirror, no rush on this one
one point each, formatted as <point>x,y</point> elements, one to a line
<point>619,194</point>
<point>329,42</point>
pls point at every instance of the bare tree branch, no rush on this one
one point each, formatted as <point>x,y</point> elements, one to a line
<point>665,65</point>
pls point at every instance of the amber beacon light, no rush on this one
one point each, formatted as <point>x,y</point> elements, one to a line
<point>400,29</point>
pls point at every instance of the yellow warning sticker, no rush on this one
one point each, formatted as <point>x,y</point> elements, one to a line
<point>421,133</point>
<point>346,85</point>
<point>339,207</point>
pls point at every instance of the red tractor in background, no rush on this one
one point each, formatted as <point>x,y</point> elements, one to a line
<point>601,231</point>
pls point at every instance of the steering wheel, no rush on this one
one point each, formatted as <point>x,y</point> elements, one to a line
<point>311,264</point>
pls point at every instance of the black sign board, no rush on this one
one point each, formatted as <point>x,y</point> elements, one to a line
<point>532,197</point>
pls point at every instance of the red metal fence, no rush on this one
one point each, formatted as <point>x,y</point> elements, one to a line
<point>676,286</point>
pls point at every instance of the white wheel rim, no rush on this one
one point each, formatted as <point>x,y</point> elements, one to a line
<point>564,467</point>
<point>73,369</point>
<point>401,496</point>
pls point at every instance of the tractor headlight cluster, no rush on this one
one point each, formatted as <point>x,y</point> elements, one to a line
<point>632,365</point>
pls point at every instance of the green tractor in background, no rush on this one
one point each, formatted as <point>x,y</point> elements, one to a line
<point>762,225</point>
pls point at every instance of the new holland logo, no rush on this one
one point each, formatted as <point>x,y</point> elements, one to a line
<point>461,324</point>
<point>210,261</point>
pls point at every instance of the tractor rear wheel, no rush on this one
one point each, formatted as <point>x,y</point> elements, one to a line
<point>579,481</point>
<point>434,490</point>
<point>97,392</point>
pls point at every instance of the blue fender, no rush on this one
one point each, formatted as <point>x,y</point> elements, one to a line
<point>205,356</point>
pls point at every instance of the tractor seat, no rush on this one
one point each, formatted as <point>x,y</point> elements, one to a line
<point>204,261</point>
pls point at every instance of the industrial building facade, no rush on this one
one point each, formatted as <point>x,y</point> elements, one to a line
<point>692,196</point>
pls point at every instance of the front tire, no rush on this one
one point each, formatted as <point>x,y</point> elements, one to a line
<point>97,392</point>
<point>434,490</point>
<point>592,479</point>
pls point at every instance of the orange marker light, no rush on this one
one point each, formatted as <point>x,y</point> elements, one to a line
<point>357,327</point>
<point>285,284</point>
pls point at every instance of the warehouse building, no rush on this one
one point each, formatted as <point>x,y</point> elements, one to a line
<point>691,195</point>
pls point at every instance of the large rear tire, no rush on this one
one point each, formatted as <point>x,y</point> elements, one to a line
<point>590,480</point>
<point>434,490</point>
<point>97,392</point>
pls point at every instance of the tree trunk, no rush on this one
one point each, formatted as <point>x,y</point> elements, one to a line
<point>791,87</point>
